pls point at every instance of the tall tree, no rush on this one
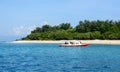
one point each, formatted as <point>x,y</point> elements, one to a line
<point>65,26</point>
<point>46,28</point>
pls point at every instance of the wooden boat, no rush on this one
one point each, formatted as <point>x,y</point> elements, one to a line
<point>73,44</point>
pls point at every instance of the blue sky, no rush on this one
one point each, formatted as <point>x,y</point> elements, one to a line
<point>19,17</point>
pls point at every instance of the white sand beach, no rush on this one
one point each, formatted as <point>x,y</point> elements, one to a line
<point>102,41</point>
<point>62,41</point>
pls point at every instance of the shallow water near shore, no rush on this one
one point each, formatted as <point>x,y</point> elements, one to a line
<point>31,57</point>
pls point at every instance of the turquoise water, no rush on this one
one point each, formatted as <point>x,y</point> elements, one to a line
<point>30,57</point>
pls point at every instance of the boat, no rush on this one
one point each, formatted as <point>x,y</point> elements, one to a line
<point>73,44</point>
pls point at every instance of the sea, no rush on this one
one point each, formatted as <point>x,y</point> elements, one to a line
<point>40,57</point>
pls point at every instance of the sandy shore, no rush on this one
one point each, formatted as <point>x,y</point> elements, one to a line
<point>62,41</point>
<point>102,41</point>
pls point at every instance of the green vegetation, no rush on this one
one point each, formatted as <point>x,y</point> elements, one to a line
<point>84,30</point>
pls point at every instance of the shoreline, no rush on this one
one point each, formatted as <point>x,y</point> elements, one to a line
<point>62,41</point>
<point>38,41</point>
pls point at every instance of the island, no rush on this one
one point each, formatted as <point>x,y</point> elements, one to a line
<point>88,31</point>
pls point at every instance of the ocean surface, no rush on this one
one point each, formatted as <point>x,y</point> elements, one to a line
<point>31,57</point>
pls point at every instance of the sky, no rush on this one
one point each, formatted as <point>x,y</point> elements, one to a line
<point>19,17</point>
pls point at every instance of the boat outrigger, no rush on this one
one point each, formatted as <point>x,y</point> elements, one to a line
<point>73,44</point>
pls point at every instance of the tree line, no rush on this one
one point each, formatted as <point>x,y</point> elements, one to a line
<point>86,29</point>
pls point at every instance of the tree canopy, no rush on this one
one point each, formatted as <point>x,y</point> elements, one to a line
<point>86,29</point>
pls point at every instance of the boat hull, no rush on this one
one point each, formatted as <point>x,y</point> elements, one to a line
<point>65,45</point>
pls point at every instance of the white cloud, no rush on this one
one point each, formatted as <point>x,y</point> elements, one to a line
<point>45,22</point>
<point>30,28</point>
<point>23,30</point>
<point>18,30</point>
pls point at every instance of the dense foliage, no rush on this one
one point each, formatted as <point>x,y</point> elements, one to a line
<point>84,30</point>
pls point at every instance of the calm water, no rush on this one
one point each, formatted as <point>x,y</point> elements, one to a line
<point>52,58</point>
